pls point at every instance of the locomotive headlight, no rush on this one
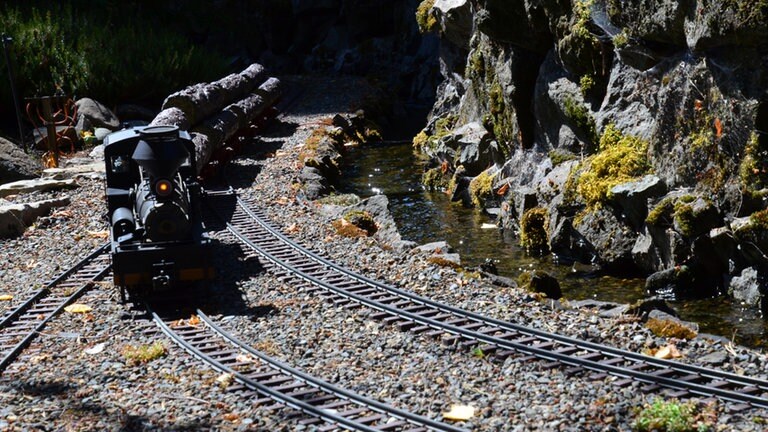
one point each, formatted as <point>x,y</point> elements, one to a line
<point>163,188</point>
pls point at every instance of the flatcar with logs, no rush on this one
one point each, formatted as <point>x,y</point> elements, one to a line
<point>153,202</point>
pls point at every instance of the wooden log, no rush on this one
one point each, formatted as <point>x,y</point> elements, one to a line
<point>202,100</point>
<point>172,117</point>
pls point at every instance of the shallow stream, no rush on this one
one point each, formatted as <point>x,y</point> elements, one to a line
<point>422,216</point>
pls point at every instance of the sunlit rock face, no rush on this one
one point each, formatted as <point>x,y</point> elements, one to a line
<point>674,89</point>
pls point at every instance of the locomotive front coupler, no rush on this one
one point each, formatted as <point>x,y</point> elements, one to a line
<point>161,275</point>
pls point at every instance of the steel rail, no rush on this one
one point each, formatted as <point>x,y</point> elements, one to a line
<point>282,398</point>
<point>638,359</point>
<point>330,388</point>
<point>505,325</point>
<point>51,311</point>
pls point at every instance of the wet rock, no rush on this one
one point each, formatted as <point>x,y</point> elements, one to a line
<point>676,282</point>
<point>613,239</point>
<point>644,307</point>
<point>632,197</point>
<point>314,184</point>
<point>434,247</point>
<point>748,288</point>
<point>475,146</point>
<point>546,284</point>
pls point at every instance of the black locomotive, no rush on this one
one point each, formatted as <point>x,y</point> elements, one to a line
<point>153,200</point>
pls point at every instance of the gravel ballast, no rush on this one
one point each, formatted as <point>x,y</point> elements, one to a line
<point>76,377</point>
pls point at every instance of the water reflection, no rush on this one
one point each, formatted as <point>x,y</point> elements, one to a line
<point>424,216</point>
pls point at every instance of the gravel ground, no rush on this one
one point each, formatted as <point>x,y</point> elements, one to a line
<point>76,377</point>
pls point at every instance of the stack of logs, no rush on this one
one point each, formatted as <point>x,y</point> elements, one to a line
<point>215,112</point>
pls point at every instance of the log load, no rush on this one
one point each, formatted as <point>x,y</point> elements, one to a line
<point>214,112</point>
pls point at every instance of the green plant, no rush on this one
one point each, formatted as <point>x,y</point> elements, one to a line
<point>435,179</point>
<point>114,53</point>
<point>673,416</point>
<point>620,40</point>
<point>140,354</point>
<point>558,156</point>
<point>586,83</point>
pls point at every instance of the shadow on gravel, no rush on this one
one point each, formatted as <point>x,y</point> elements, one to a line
<point>278,128</point>
<point>42,388</point>
<point>221,297</point>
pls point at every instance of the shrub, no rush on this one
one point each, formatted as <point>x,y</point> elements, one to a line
<point>112,53</point>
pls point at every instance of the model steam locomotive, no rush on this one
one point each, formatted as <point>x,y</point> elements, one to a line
<point>153,200</point>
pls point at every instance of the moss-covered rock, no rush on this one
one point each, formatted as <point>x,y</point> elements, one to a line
<point>534,230</point>
<point>621,158</point>
<point>425,16</point>
<point>481,188</point>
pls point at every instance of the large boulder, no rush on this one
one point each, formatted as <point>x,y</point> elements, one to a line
<point>92,114</point>
<point>15,164</point>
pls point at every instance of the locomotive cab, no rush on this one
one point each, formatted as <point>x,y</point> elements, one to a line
<point>153,198</point>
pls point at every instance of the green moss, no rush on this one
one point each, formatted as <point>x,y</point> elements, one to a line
<point>586,83</point>
<point>425,18</point>
<point>675,416</point>
<point>662,209</point>
<point>533,229</point>
<point>753,170</point>
<point>362,220</point>
<point>524,279</point>
<point>558,156</point>
<point>140,354</point>
<point>678,209</point>
<point>499,119</point>
<point>425,143</point>
<point>435,179</point>
<point>684,218</point>
<point>622,158</point>
<point>481,188</point>
<point>620,40</point>
<point>476,65</point>
<point>581,117</point>
<point>343,200</point>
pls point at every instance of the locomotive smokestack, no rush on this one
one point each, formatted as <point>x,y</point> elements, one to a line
<point>160,152</point>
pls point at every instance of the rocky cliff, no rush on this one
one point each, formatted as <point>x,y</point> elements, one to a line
<point>633,130</point>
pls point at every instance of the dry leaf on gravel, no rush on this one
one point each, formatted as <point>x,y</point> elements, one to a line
<point>99,234</point>
<point>78,308</point>
<point>459,413</point>
<point>666,352</point>
<point>6,297</point>
<point>193,320</point>
<point>96,348</point>
<point>225,379</point>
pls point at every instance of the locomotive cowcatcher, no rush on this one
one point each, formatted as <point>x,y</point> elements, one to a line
<point>153,200</point>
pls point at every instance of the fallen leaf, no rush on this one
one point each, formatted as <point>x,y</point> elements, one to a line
<point>667,352</point>
<point>459,413</point>
<point>292,228</point>
<point>231,417</point>
<point>718,128</point>
<point>242,358</point>
<point>225,379</point>
<point>99,234</point>
<point>6,297</point>
<point>193,320</point>
<point>62,214</point>
<point>503,190</point>
<point>78,308</point>
<point>699,105</point>
<point>96,348</point>
<point>283,200</point>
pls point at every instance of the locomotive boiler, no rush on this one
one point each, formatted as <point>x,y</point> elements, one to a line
<point>153,201</point>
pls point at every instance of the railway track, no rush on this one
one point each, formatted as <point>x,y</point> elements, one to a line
<point>20,325</point>
<point>274,384</point>
<point>467,329</point>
